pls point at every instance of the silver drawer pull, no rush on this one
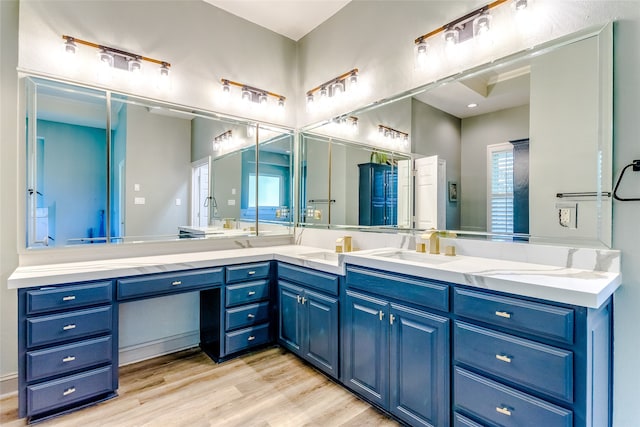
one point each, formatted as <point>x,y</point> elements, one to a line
<point>503,410</point>
<point>68,391</point>
<point>176,283</point>
<point>504,314</point>
<point>69,359</point>
<point>251,316</point>
<point>69,298</point>
<point>68,327</point>
<point>251,273</point>
<point>503,358</point>
<point>250,293</point>
<point>251,338</point>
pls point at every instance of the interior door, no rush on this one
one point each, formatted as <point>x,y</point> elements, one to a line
<point>430,193</point>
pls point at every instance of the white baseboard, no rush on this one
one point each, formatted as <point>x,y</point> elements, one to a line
<point>8,385</point>
<point>127,355</point>
<point>151,349</point>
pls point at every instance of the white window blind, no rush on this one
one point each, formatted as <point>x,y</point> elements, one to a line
<point>500,185</point>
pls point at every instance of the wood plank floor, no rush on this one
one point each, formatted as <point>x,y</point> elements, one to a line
<point>267,388</point>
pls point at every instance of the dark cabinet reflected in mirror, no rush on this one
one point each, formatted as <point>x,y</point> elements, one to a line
<point>103,168</point>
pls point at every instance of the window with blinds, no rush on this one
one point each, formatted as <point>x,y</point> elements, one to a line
<point>500,188</point>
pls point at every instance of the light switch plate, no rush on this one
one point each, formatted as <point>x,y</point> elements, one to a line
<point>231,202</point>
<point>139,201</point>
<point>178,202</point>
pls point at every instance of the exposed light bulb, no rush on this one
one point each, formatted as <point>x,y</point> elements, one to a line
<point>70,47</point>
<point>482,25</point>
<point>422,53</point>
<point>246,95</point>
<point>338,88</point>
<point>353,79</point>
<point>105,65</point>
<point>164,80</point>
<point>451,37</point>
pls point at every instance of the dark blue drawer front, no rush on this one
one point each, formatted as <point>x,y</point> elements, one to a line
<point>246,315</point>
<point>515,359</point>
<point>410,289</point>
<point>497,404</point>
<point>246,293</point>
<point>462,421</point>
<point>543,320</point>
<point>68,390</point>
<point>167,283</point>
<point>241,273</point>
<point>68,358</point>
<point>246,338</point>
<point>73,325</point>
<point>309,278</point>
<point>51,298</point>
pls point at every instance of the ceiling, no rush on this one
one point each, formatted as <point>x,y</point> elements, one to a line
<point>290,18</point>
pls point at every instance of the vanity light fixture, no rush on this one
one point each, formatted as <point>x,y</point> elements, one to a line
<point>224,139</point>
<point>474,24</point>
<point>253,94</point>
<point>348,123</point>
<point>110,58</point>
<point>393,135</point>
<point>335,87</point>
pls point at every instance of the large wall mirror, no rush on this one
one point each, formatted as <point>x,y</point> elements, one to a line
<point>519,147</point>
<point>104,167</point>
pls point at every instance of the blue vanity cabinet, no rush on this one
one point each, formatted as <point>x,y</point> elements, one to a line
<point>67,347</point>
<point>308,315</point>
<point>519,361</point>
<point>395,353</point>
<point>247,307</point>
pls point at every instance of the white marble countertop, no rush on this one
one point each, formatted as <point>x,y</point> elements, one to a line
<point>568,285</point>
<point>587,288</point>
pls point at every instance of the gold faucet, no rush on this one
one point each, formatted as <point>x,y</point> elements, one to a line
<point>433,236</point>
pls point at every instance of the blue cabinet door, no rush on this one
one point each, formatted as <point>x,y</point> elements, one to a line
<point>289,328</point>
<point>320,335</point>
<point>366,352</point>
<point>419,367</point>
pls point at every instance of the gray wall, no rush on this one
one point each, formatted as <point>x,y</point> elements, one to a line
<point>159,160</point>
<point>477,133</point>
<point>435,132</point>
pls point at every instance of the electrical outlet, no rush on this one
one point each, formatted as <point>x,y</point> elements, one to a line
<point>567,214</point>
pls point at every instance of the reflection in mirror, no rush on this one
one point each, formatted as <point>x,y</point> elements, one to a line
<point>66,159</point>
<point>505,136</point>
<point>159,173</point>
<point>275,182</point>
<point>368,187</point>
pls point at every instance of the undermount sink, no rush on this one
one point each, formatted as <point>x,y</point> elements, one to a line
<point>424,258</point>
<point>322,256</point>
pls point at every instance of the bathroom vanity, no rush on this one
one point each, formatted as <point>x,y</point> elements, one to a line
<point>432,340</point>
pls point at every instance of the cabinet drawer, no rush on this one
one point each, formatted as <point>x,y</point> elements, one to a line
<point>51,298</point>
<point>538,319</point>
<point>516,359</point>
<point>246,315</point>
<point>245,338</point>
<point>166,283</point>
<point>462,421</point>
<point>500,405</point>
<point>241,273</point>
<point>73,325</point>
<point>68,358</point>
<point>404,288</point>
<point>247,292</point>
<point>68,390</point>
<point>309,278</point>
